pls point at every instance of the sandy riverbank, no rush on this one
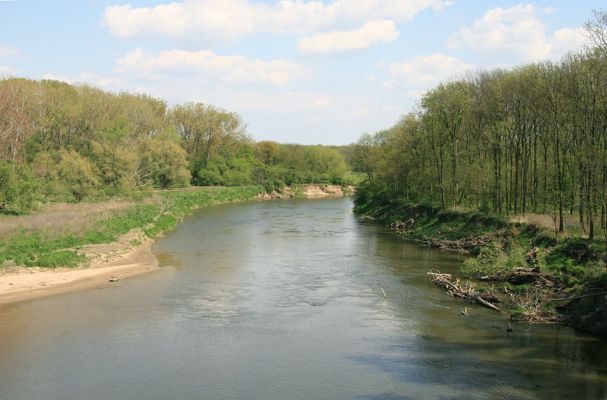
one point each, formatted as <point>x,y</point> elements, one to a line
<point>131,255</point>
<point>128,257</point>
<point>309,191</point>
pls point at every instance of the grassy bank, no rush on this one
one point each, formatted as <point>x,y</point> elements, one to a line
<point>537,275</point>
<point>49,246</point>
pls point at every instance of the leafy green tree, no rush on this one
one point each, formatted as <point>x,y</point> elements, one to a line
<point>116,166</point>
<point>77,173</point>
<point>164,163</point>
<point>8,184</point>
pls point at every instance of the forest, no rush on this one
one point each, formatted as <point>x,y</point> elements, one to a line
<point>532,139</point>
<point>62,142</point>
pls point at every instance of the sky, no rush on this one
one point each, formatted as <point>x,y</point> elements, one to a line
<point>297,71</point>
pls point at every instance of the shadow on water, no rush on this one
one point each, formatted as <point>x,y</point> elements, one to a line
<point>506,367</point>
<point>452,355</point>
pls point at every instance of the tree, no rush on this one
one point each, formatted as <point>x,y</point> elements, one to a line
<point>266,151</point>
<point>164,162</point>
<point>76,172</point>
<point>596,29</point>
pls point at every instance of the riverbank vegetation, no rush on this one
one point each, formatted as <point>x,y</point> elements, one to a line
<point>56,240</point>
<point>61,142</point>
<point>509,166</point>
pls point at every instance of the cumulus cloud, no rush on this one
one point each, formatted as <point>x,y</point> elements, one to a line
<point>514,35</point>
<point>370,33</point>
<point>565,40</point>
<point>233,18</point>
<point>204,63</point>
<point>422,72</point>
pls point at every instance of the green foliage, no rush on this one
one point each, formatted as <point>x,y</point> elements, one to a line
<point>18,188</point>
<point>77,142</point>
<point>116,166</point>
<point>506,142</point>
<point>164,162</point>
<point>39,249</point>
<point>76,172</point>
<point>527,141</point>
<point>63,258</point>
<point>8,184</point>
<point>491,260</point>
<point>577,250</point>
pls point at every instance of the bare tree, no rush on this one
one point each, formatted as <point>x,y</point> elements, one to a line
<point>596,29</point>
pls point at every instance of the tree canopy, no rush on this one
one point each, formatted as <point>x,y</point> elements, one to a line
<point>529,139</point>
<point>72,141</point>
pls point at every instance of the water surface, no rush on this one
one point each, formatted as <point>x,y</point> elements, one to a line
<point>285,300</point>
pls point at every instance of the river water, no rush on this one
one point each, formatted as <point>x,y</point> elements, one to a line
<point>286,300</point>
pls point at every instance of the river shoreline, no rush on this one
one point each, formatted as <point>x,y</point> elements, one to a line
<point>535,276</point>
<point>116,261</point>
<point>131,255</point>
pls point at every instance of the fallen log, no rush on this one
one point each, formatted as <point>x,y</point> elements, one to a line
<point>480,301</point>
<point>464,291</point>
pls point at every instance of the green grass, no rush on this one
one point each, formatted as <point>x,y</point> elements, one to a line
<point>38,249</point>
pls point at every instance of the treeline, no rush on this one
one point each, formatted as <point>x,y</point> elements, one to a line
<point>529,139</point>
<point>61,142</point>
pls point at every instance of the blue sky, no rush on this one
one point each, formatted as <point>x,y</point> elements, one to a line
<point>298,71</point>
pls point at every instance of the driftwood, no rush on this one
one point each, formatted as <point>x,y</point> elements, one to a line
<point>520,276</point>
<point>456,288</point>
<point>463,246</point>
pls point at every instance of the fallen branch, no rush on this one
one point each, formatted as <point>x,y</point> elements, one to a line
<point>463,290</point>
<point>463,246</point>
<point>480,300</point>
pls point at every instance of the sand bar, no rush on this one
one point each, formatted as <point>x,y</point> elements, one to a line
<point>131,255</point>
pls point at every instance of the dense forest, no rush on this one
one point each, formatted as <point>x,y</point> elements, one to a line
<point>532,139</point>
<point>70,142</point>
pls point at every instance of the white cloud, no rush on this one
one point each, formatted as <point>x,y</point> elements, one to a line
<point>549,10</point>
<point>416,93</point>
<point>338,41</point>
<point>422,72</point>
<point>108,83</point>
<point>233,18</point>
<point>204,63</point>
<point>516,34</point>
<point>565,40</point>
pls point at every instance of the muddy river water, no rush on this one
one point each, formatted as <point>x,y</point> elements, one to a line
<point>286,300</point>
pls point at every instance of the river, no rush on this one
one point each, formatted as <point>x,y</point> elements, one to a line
<point>286,300</point>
